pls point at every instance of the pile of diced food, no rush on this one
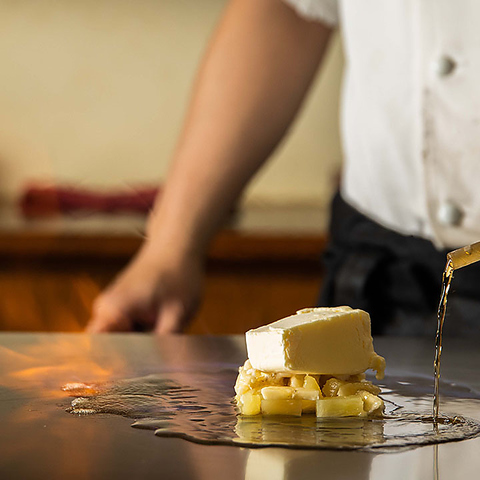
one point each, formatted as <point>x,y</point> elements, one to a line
<point>313,362</point>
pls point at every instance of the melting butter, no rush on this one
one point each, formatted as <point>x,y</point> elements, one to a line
<point>334,341</point>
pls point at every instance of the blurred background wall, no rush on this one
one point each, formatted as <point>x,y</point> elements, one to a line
<point>92,92</point>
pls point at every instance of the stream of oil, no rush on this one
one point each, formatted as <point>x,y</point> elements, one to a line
<point>199,407</point>
<point>442,310</point>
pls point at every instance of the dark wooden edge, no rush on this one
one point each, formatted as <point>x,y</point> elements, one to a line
<point>227,245</point>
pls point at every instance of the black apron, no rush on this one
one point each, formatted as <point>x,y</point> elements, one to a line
<point>394,277</point>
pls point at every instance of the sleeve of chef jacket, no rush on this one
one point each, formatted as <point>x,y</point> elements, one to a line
<point>320,10</point>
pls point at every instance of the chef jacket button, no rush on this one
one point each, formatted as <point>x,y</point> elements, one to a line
<point>449,214</point>
<point>444,66</point>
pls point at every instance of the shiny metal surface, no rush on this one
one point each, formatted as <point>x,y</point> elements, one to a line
<point>464,256</point>
<point>38,439</point>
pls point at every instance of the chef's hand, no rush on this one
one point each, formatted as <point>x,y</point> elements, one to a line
<point>155,291</point>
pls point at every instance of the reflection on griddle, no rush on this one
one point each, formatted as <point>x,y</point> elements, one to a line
<point>288,464</point>
<point>335,433</point>
<point>199,407</point>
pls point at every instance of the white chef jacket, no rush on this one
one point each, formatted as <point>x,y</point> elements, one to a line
<point>410,112</point>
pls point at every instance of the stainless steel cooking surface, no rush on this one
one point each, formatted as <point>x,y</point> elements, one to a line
<point>39,439</point>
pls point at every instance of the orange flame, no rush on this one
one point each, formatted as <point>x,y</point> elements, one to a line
<point>46,366</point>
<point>40,369</point>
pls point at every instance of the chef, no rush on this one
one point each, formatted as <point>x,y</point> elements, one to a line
<point>411,142</point>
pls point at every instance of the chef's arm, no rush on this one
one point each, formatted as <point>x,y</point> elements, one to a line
<point>251,83</point>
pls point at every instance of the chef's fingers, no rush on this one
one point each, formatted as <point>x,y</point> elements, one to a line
<point>106,317</point>
<point>170,318</point>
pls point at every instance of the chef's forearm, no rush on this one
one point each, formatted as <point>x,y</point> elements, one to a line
<point>253,79</point>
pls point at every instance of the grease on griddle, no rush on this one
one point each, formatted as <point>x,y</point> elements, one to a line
<point>198,407</point>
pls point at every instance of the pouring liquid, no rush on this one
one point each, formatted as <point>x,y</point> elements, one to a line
<point>456,259</point>
<point>442,310</point>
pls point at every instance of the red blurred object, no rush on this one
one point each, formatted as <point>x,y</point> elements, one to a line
<point>51,200</point>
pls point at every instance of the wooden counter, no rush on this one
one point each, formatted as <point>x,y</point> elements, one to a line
<point>262,266</point>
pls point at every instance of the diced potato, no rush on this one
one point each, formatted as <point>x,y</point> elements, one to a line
<point>284,407</point>
<point>297,380</point>
<point>291,394</point>
<point>306,394</point>
<point>277,393</point>
<point>351,406</point>
<point>250,403</point>
<point>330,389</point>
<point>240,385</point>
<point>251,379</point>
<point>310,383</point>
<point>371,403</point>
<point>309,406</point>
<point>356,378</point>
<point>353,388</point>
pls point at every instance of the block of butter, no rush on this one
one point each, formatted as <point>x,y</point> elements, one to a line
<point>333,341</point>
